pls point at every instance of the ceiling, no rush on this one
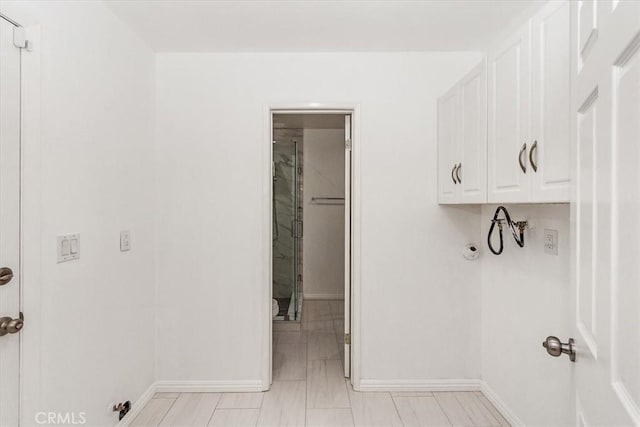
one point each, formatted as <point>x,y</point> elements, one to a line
<point>311,25</point>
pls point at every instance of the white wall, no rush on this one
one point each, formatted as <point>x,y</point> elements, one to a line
<point>420,299</point>
<point>323,241</point>
<point>93,332</point>
<point>525,298</point>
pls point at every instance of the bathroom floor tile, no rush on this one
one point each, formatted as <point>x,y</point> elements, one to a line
<point>329,418</point>
<point>316,310</point>
<point>241,400</point>
<point>191,409</point>
<point>326,387</point>
<point>373,409</point>
<point>322,345</point>
<point>290,362</point>
<point>421,411</point>
<point>284,405</point>
<point>234,418</point>
<point>153,413</point>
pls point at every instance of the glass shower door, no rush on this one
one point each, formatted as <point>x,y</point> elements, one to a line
<point>286,228</point>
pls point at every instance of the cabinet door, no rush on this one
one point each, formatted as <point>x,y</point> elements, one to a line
<point>508,143</point>
<point>549,154</point>
<point>472,122</point>
<point>447,147</point>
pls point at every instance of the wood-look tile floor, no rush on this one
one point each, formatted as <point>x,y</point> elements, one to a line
<point>309,389</point>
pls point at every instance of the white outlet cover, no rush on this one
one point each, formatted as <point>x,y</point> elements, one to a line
<point>550,241</point>
<point>125,240</point>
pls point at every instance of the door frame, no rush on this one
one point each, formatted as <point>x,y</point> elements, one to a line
<point>30,356</point>
<point>31,234</point>
<point>267,259</point>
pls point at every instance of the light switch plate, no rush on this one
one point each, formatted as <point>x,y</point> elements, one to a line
<point>551,241</point>
<point>125,240</point>
<point>68,247</point>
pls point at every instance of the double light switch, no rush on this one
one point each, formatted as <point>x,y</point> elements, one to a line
<point>68,247</point>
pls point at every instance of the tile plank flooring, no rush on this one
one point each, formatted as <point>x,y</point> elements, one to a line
<point>309,390</point>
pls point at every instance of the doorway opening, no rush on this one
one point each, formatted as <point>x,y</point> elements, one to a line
<point>311,241</point>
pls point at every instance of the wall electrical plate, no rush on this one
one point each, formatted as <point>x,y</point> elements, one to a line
<point>68,247</point>
<point>125,240</point>
<point>551,241</point>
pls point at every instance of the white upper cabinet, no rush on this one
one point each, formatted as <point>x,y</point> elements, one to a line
<point>447,146</point>
<point>549,156</point>
<point>529,111</point>
<point>462,140</point>
<point>472,168</point>
<point>509,119</point>
<point>504,130</point>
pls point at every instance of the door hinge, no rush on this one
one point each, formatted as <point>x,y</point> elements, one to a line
<point>273,169</point>
<point>347,339</point>
<point>347,144</point>
<point>20,38</point>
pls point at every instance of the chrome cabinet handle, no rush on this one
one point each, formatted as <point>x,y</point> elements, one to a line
<point>534,147</point>
<point>522,165</point>
<point>453,178</point>
<point>458,173</point>
<point>556,348</point>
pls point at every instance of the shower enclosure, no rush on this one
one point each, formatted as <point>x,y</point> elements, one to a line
<point>287,224</point>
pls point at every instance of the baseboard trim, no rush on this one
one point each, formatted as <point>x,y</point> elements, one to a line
<point>137,406</point>
<point>209,386</point>
<point>324,296</point>
<point>421,385</point>
<point>504,409</point>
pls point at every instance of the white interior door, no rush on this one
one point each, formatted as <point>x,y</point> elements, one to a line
<point>347,245</point>
<point>10,86</point>
<point>472,120</point>
<point>606,273</point>
<point>509,137</point>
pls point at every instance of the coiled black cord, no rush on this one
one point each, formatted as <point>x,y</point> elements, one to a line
<point>517,229</point>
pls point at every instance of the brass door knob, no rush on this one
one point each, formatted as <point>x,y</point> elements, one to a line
<point>6,274</point>
<point>556,348</point>
<point>9,325</point>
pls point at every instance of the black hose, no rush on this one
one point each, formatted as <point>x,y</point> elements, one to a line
<point>517,229</point>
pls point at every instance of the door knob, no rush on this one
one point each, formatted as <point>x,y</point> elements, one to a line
<point>9,325</point>
<point>6,274</point>
<point>555,347</point>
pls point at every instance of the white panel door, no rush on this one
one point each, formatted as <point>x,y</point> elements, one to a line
<point>549,153</point>
<point>10,86</point>
<point>447,147</point>
<point>472,122</point>
<point>509,138</point>
<point>605,216</point>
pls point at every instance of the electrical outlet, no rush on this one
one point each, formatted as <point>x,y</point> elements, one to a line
<point>125,240</point>
<point>551,241</point>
